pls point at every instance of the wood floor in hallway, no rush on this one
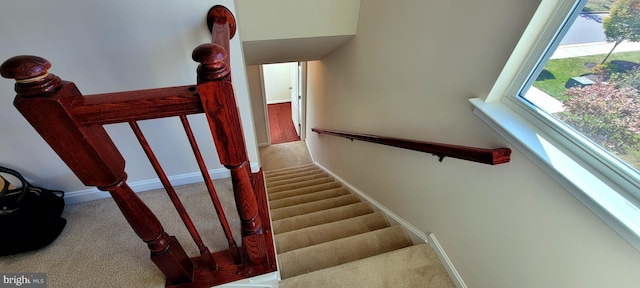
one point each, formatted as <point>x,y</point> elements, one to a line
<point>280,123</point>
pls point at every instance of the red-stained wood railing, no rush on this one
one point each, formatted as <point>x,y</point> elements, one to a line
<point>482,155</point>
<point>72,124</point>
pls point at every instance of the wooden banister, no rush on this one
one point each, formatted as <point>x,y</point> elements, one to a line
<point>126,106</point>
<point>481,155</point>
<point>44,100</point>
<point>72,124</point>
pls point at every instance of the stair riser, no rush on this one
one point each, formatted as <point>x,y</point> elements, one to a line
<point>295,175</point>
<point>295,179</point>
<point>333,253</point>
<point>291,211</point>
<point>330,231</point>
<point>306,198</point>
<point>285,171</point>
<point>303,190</point>
<point>321,217</point>
<point>301,184</point>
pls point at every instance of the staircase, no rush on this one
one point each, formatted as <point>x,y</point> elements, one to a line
<point>326,237</point>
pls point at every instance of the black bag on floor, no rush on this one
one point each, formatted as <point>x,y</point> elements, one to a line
<point>29,216</point>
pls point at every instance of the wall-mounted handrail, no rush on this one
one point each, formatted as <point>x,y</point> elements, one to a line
<point>482,155</point>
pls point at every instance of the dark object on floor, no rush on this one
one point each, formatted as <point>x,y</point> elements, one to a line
<point>30,217</point>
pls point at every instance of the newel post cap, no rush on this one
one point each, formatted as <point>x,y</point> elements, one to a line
<point>31,74</point>
<point>219,14</point>
<point>24,67</point>
<point>213,61</point>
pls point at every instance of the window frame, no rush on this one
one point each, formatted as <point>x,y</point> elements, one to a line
<point>595,177</point>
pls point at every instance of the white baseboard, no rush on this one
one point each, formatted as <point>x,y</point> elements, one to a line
<point>415,234</point>
<point>269,280</point>
<point>150,184</point>
<point>278,101</point>
<point>446,262</point>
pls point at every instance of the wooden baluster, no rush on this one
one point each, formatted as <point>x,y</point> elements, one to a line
<point>233,247</point>
<point>173,196</point>
<point>218,100</point>
<point>45,101</point>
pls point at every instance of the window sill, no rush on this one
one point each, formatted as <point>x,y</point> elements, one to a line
<point>604,200</point>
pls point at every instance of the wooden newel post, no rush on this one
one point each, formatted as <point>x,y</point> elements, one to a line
<point>45,101</point>
<point>219,103</point>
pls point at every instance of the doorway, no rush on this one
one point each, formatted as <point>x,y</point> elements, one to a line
<point>284,87</point>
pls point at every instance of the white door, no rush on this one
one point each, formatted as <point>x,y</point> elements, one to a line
<point>295,96</point>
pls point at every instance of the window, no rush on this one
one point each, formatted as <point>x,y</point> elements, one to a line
<point>575,115</point>
<point>591,89</point>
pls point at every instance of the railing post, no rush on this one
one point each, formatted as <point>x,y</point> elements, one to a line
<point>219,104</point>
<point>220,108</point>
<point>45,101</point>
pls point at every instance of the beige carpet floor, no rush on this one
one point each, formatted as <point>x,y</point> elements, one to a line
<point>284,155</point>
<point>99,249</point>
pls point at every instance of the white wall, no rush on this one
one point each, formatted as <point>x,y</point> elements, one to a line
<point>106,46</point>
<point>277,82</point>
<point>296,18</point>
<point>277,31</point>
<point>258,106</point>
<point>409,73</point>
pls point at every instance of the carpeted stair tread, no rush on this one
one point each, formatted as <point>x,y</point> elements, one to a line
<point>326,237</point>
<point>295,175</point>
<point>300,184</point>
<point>415,266</point>
<point>310,197</point>
<point>305,208</point>
<point>303,190</point>
<point>325,255</point>
<point>295,179</point>
<point>320,217</point>
<point>284,171</point>
<point>330,231</point>
<point>291,168</point>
